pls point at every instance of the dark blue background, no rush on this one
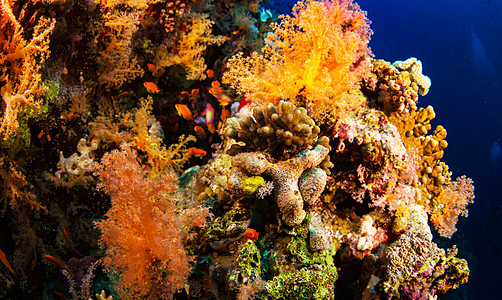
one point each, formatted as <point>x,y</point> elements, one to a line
<point>460,46</point>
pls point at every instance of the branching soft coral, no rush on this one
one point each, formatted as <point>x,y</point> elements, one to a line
<point>191,48</point>
<point>143,132</point>
<point>451,204</point>
<point>116,64</point>
<point>144,230</point>
<point>20,62</point>
<point>314,59</point>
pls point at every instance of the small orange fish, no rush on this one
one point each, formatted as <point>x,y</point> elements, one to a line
<point>224,99</point>
<point>197,152</point>
<point>56,261</point>
<point>211,128</point>
<point>224,114</point>
<point>195,93</point>
<point>184,111</point>
<point>199,131</point>
<point>152,68</point>
<point>67,238</point>
<point>61,295</point>
<point>151,87</point>
<point>124,94</point>
<point>4,260</point>
<point>185,94</point>
<point>215,88</point>
<point>210,73</point>
<point>251,234</point>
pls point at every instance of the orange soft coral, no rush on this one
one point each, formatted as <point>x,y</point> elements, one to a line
<point>20,62</point>
<point>451,204</point>
<point>116,63</point>
<point>144,231</point>
<point>314,59</point>
<point>191,48</point>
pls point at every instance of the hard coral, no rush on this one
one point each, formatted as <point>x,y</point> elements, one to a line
<point>290,192</point>
<point>418,267</point>
<point>281,130</point>
<point>314,59</point>
<point>414,67</point>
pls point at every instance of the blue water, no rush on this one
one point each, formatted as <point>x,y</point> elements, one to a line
<point>460,46</point>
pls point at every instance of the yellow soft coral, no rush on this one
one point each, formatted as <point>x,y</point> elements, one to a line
<point>314,59</point>
<point>116,64</point>
<point>190,48</point>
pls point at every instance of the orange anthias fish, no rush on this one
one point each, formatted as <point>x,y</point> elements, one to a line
<point>152,68</point>
<point>56,261</point>
<point>196,152</point>
<point>61,295</point>
<point>209,113</point>
<point>218,93</point>
<point>210,127</point>
<point>184,111</point>
<point>224,114</point>
<point>210,73</point>
<point>199,131</point>
<point>67,238</point>
<point>151,87</point>
<point>251,234</point>
<point>6,263</point>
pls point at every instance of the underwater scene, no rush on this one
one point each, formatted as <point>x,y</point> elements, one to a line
<point>254,149</point>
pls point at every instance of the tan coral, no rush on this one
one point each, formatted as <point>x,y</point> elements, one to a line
<point>414,67</point>
<point>286,176</point>
<point>281,130</point>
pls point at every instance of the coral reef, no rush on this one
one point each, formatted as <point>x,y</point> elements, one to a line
<point>212,150</point>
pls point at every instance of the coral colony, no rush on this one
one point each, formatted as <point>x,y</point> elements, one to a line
<point>156,149</point>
